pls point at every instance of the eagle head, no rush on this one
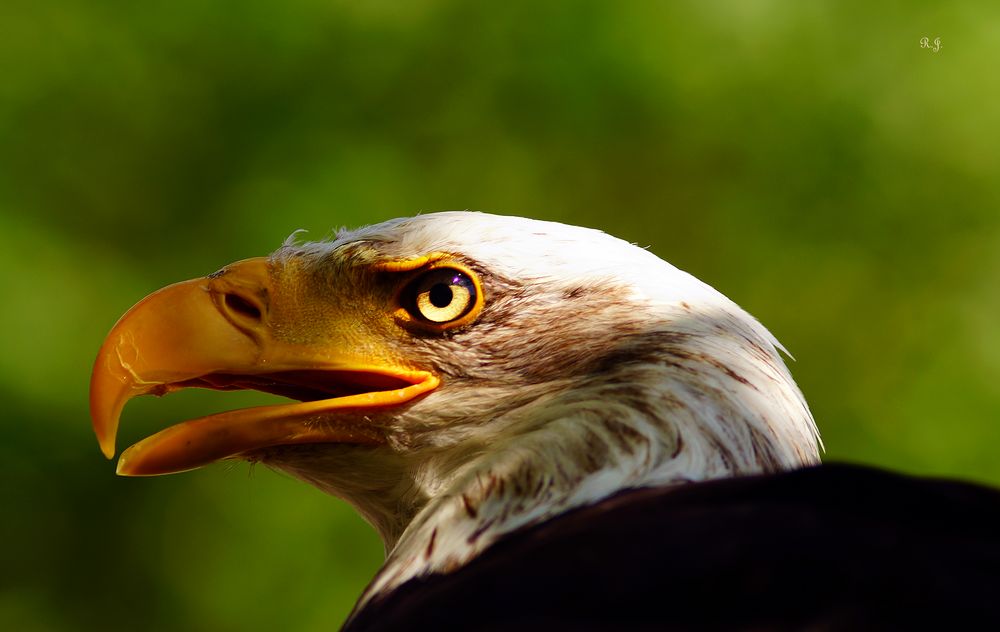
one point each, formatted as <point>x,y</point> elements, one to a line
<point>459,375</point>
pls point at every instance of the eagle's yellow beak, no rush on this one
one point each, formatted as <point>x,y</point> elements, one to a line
<point>217,332</point>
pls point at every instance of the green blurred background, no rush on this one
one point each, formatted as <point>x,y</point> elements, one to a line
<point>809,159</point>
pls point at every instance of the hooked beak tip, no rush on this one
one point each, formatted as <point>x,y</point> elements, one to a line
<point>107,447</point>
<point>108,393</point>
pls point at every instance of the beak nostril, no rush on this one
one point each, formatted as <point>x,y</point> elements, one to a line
<point>242,306</point>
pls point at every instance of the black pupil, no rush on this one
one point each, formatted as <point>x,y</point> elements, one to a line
<point>441,295</point>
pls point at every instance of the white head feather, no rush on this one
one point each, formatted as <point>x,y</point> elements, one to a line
<point>595,367</point>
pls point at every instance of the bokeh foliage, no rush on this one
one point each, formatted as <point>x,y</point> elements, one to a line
<point>809,159</point>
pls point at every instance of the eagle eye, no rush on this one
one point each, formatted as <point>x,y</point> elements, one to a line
<point>442,297</point>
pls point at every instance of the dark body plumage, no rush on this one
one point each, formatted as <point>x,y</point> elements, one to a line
<point>833,547</point>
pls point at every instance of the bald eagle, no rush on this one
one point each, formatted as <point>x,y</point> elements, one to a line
<point>523,410</point>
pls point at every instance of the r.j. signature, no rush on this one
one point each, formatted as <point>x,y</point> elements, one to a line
<point>935,46</point>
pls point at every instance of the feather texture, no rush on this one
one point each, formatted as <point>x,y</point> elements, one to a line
<point>594,367</point>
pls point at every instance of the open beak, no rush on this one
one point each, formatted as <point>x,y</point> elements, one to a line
<point>216,332</point>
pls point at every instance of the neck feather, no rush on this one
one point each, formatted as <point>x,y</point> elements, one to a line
<point>699,409</point>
